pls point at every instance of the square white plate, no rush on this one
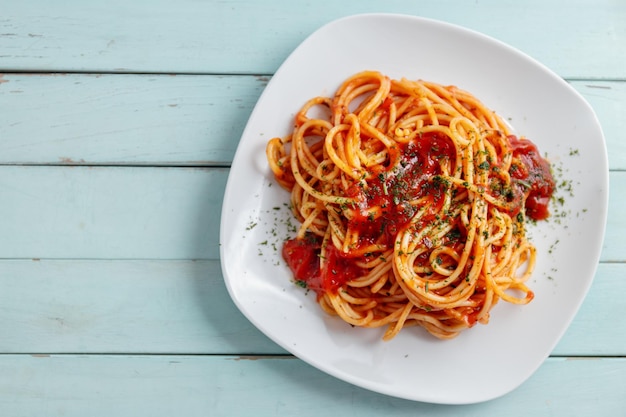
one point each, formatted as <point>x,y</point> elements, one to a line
<point>486,361</point>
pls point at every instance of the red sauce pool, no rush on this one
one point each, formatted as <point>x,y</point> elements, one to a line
<point>536,176</point>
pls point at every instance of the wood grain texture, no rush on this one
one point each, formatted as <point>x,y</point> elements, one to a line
<point>148,307</point>
<point>118,123</point>
<point>200,37</point>
<point>124,119</point>
<point>234,386</point>
<point>182,307</point>
<point>111,212</point>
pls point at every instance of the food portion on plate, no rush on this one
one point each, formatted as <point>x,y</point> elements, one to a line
<point>399,230</point>
<point>412,199</point>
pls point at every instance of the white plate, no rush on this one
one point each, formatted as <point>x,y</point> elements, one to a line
<point>486,361</point>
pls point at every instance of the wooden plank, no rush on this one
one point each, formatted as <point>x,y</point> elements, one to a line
<point>124,119</point>
<point>587,335</point>
<point>67,306</point>
<point>271,386</point>
<point>78,119</point>
<point>110,212</point>
<point>146,212</point>
<point>608,99</point>
<point>613,248</point>
<point>254,37</point>
<point>121,306</point>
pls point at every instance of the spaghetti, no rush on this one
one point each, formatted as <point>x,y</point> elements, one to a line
<point>412,198</point>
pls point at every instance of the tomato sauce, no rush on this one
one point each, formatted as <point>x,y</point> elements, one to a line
<point>410,174</point>
<point>384,205</point>
<point>303,258</point>
<point>534,176</point>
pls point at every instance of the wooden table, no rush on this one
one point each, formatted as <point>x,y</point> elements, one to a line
<point>118,123</point>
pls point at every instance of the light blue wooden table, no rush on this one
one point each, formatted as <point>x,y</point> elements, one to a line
<point>118,123</point>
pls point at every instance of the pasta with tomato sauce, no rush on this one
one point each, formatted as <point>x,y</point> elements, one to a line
<point>412,198</point>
